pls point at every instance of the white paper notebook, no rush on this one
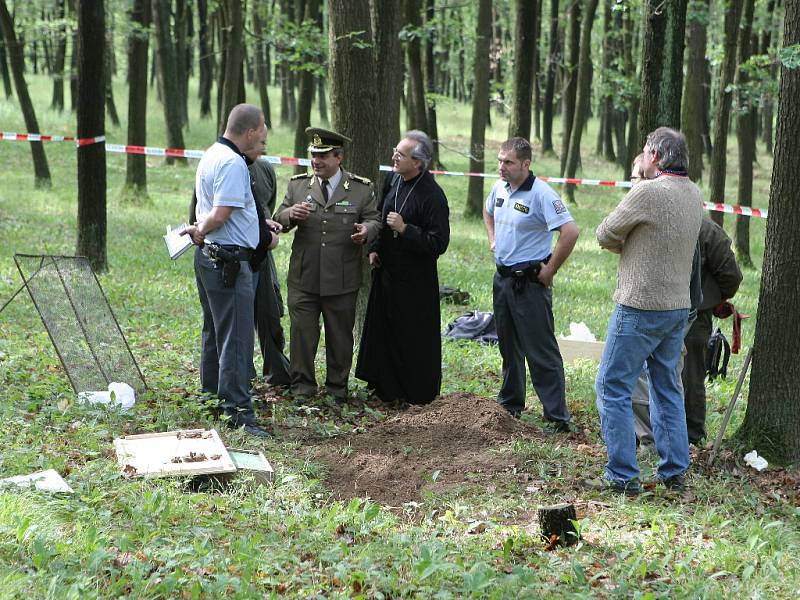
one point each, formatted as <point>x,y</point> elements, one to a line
<point>177,244</point>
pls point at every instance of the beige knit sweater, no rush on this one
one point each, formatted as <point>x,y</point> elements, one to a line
<point>655,227</point>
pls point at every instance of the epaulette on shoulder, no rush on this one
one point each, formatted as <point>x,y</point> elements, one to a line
<point>300,176</point>
<point>360,179</point>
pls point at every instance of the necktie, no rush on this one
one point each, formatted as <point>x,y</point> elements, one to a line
<point>325,190</point>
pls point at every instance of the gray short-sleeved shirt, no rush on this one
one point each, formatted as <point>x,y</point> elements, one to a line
<point>223,180</point>
<point>524,220</point>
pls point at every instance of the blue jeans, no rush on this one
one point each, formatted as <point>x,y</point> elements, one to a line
<point>636,337</point>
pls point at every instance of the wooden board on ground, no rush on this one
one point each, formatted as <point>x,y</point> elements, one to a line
<point>169,453</point>
<point>572,349</point>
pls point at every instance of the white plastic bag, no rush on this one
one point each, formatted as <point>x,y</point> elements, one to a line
<point>752,459</point>
<point>118,394</point>
<point>579,332</point>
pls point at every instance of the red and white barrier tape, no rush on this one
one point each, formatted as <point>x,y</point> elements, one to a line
<point>304,162</point>
<point>33,137</point>
<point>735,209</point>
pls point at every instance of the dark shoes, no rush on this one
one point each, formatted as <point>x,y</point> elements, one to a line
<point>676,483</point>
<point>601,484</point>
<point>250,429</point>
<point>556,427</point>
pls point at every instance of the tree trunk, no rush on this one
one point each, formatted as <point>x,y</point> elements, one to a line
<point>584,94</point>
<point>746,137</point>
<point>261,68</point>
<point>387,20</point>
<point>570,87</point>
<point>430,84</point>
<point>138,45</point>
<point>610,57</point>
<point>519,124</point>
<point>205,60</point>
<point>111,106</point>
<point>693,92</point>
<point>416,115</point>
<point>73,64</point>
<point>182,15</point>
<point>57,103</point>
<point>91,123</point>
<point>632,141</point>
<point>167,79</point>
<point>353,82</point>
<point>722,110</point>
<point>550,85</point>
<point>536,59</point>
<point>4,70</point>
<point>662,66</point>
<point>322,100</point>
<point>41,170</point>
<point>480,108</point>
<point>234,58</point>
<point>767,97</point>
<point>772,421</point>
<point>305,94</point>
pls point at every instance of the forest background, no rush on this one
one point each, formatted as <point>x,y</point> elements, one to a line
<point>452,69</point>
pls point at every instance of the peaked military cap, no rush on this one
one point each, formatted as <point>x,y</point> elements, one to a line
<point>323,140</point>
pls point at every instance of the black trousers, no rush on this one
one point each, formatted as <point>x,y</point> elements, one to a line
<point>526,332</point>
<point>268,313</point>
<point>694,374</point>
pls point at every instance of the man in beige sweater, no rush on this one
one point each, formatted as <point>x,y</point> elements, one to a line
<point>654,230</point>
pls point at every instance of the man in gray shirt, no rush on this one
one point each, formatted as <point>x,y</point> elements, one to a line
<point>227,232</point>
<point>654,230</point>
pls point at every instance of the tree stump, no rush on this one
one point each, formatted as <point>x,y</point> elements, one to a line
<point>558,525</point>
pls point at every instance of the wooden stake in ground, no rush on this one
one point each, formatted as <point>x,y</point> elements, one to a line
<point>558,524</point>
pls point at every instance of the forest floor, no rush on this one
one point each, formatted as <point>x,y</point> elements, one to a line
<point>368,500</point>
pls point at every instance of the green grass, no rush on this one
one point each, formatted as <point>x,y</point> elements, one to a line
<point>156,538</point>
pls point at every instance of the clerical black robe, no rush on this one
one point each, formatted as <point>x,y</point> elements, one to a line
<point>400,356</point>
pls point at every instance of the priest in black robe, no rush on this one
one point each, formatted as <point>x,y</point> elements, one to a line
<point>400,356</point>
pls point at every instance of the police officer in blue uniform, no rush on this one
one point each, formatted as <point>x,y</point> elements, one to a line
<point>521,214</point>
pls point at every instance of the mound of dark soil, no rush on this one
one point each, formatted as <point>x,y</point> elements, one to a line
<point>426,447</point>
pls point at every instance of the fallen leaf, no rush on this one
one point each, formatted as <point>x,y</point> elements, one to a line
<point>476,527</point>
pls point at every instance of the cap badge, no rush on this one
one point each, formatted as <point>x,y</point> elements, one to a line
<point>316,140</point>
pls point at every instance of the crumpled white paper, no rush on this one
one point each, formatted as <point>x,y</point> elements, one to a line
<point>123,396</point>
<point>579,332</point>
<point>752,459</point>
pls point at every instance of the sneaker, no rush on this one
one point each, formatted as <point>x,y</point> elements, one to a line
<point>601,484</point>
<point>676,483</point>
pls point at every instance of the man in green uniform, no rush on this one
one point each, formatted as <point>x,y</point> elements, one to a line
<point>335,215</point>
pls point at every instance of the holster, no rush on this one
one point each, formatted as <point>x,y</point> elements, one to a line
<point>521,274</point>
<point>226,262</point>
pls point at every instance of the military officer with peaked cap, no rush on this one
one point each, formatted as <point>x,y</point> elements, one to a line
<point>335,215</point>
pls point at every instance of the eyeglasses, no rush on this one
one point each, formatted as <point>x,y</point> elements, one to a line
<point>396,152</point>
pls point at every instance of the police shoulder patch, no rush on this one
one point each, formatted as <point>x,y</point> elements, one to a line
<point>559,207</point>
<point>498,202</point>
<point>521,207</point>
<point>300,176</point>
<point>360,179</point>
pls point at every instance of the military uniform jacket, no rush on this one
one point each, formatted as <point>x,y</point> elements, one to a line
<point>324,259</point>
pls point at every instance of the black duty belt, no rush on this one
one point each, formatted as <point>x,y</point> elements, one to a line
<point>239,253</point>
<point>530,269</point>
